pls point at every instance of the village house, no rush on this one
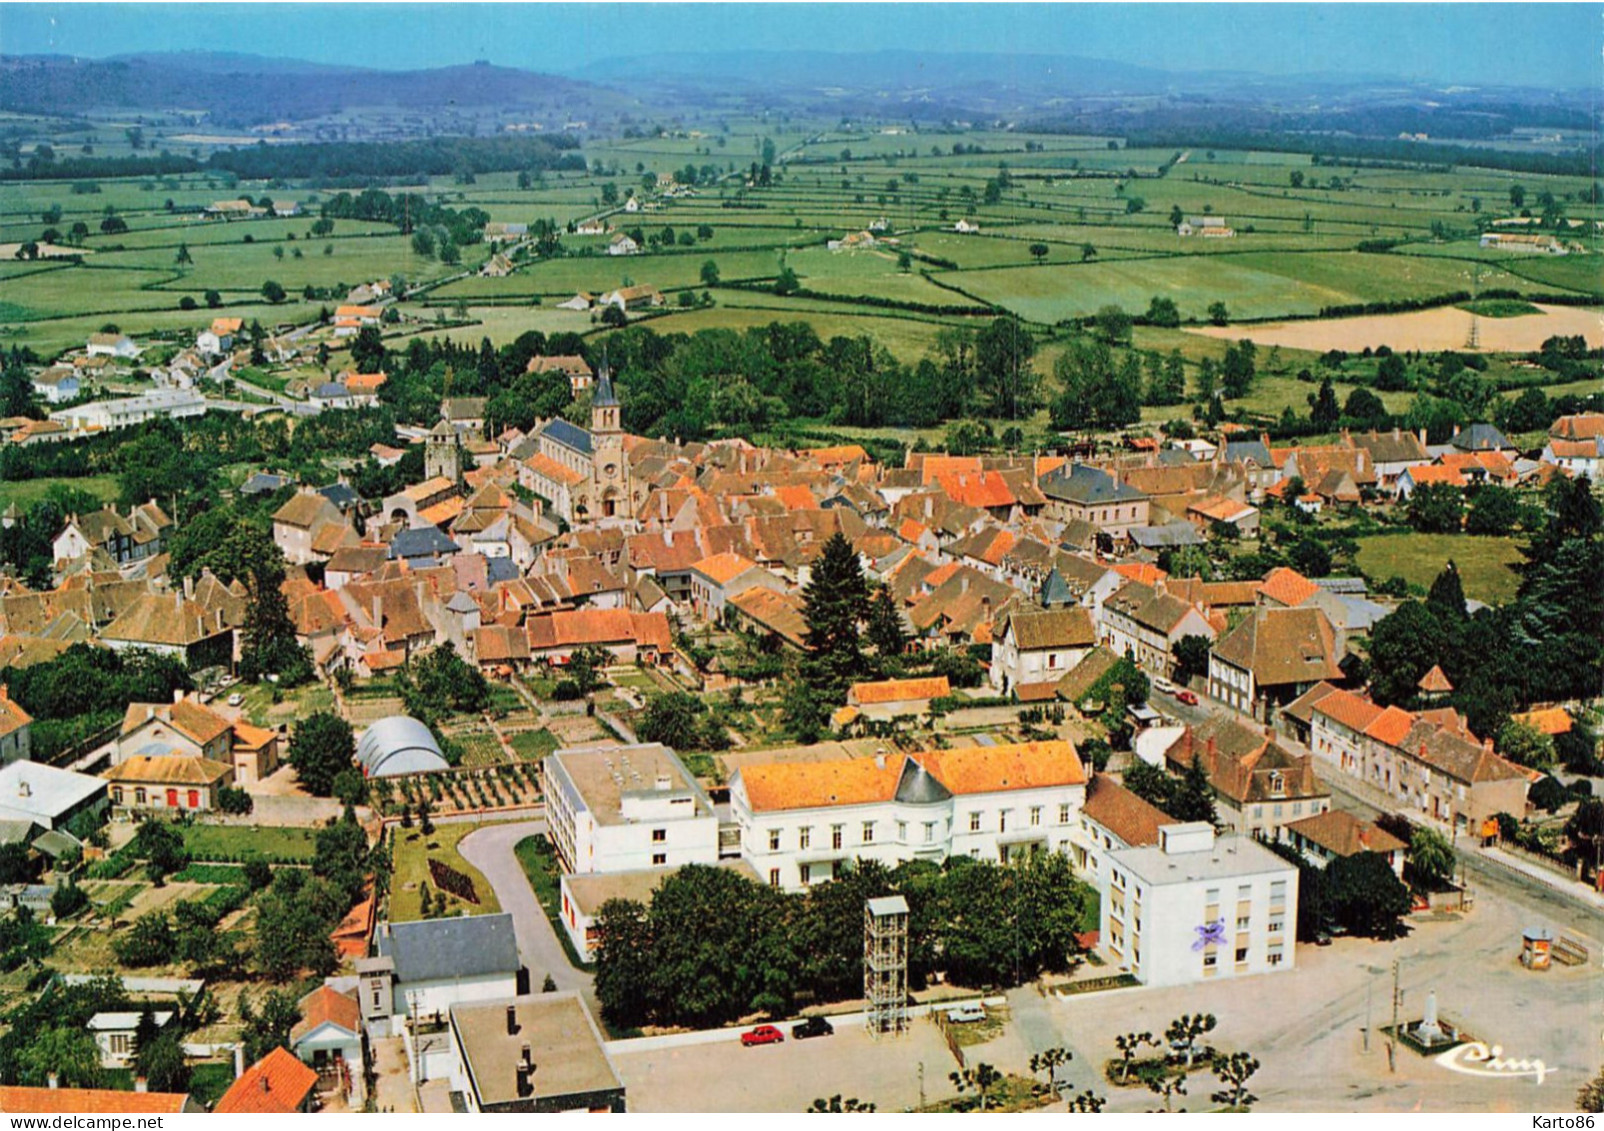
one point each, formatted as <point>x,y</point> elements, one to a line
<point>1272,657</point>
<point>114,1034</point>
<point>891,698</point>
<point>142,535</point>
<point>1146,622</point>
<point>173,625</point>
<point>57,385</point>
<point>218,338</point>
<point>1112,818</point>
<point>622,244</point>
<point>278,1084</point>
<point>16,729</point>
<point>632,298</point>
<point>112,345</point>
<point>630,637</point>
<point>434,964</point>
<point>176,783</point>
<point>572,366</point>
<point>328,1039</point>
<point>715,579</point>
<point>1258,784</point>
<point>1338,833</point>
<point>1081,493</point>
<point>309,528</point>
<point>350,318</point>
<point>1034,645</point>
<point>50,798</point>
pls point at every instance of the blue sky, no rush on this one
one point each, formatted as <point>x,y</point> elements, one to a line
<point>1543,45</point>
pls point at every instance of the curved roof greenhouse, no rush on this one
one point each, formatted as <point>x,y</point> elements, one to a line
<point>398,745</point>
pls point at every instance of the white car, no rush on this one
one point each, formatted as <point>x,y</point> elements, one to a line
<point>964,1014</point>
<point>1162,684</point>
<point>235,699</point>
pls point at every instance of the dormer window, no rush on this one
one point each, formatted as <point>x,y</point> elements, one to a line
<point>1278,787</point>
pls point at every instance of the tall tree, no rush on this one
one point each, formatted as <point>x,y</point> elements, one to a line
<point>320,748</point>
<point>886,631</point>
<point>1003,359</point>
<point>835,604</point>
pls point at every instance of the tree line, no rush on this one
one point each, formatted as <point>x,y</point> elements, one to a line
<point>713,946</point>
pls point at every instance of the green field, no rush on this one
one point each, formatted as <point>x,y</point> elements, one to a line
<point>411,852</point>
<point>1483,563</point>
<point>26,492</point>
<point>237,842</point>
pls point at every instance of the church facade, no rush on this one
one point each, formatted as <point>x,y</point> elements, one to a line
<point>584,473</point>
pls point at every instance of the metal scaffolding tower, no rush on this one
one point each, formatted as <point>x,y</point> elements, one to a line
<point>885,965</point>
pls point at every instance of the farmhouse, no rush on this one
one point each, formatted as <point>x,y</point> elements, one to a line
<point>622,244</point>
<point>1209,227</point>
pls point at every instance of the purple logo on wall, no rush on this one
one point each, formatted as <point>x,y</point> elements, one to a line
<point>1210,934</point>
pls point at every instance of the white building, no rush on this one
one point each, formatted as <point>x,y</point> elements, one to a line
<point>174,404</point>
<point>1197,906</point>
<point>438,963</point>
<point>1040,645</point>
<point>800,822</point>
<point>625,808</point>
<point>112,345</point>
<point>114,1035</point>
<point>583,896</point>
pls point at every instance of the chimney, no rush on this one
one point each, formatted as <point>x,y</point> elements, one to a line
<point>1422,437</point>
<point>880,759</point>
<point>150,711</point>
<point>664,782</point>
<point>267,1085</point>
<point>24,789</point>
<point>141,1084</point>
<point>189,588</point>
<point>668,536</point>
<point>512,1021</point>
<point>1456,430</point>
<point>963,584</point>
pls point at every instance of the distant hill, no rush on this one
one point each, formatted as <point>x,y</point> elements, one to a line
<point>245,90</point>
<point>890,70</point>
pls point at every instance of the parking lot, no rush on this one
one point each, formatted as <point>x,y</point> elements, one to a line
<point>724,1076</point>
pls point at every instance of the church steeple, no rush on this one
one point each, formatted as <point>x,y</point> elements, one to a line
<point>604,407</point>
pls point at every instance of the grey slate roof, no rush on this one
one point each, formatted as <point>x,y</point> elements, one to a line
<point>263,483</point>
<point>1480,438</point>
<point>501,569</point>
<point>1178,533</point>
<point>341,495</point>
<point>439,950</point>
<point>1240,451</point>
<point>568,435</point>
<point>423,542</point>
<point>918,787</point>
<point>1055,591</point>
<point>1087,485</point>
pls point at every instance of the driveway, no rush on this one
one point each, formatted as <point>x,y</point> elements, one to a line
<point>491,851</point>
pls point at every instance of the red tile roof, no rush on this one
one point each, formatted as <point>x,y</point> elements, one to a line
<point>898,690</point>
<point>278,1084</point>
<point>1287,587</point>
<point>92,1101</point>
<point>325,1006</point>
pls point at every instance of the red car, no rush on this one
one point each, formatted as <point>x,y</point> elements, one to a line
<point>762,1035</point>
<point>1187,697</point>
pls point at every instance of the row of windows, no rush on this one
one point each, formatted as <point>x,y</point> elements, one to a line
<point>869,830</point>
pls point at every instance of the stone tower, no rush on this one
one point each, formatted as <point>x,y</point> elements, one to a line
<point>442,453</point>
<point>609,469</point>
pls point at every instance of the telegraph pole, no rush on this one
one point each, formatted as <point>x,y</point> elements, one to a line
<point>1370,985</point>
<point>1392,1037</point>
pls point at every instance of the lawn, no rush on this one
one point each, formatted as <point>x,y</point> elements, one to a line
<point>411,852</point>
<point>237,842</point>
<point>294,704</point>
<point>533,745</point>
<point>1483,562</point>
<point>26,492</point>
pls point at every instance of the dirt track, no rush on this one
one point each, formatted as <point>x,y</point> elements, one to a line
<point>1441,329</point>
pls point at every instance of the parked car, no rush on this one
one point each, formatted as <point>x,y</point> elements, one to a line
<point>762,1035</point>
<point>812,1027</point>
<point>1164,685</point>
<point>235,699</point>
<point>1187,697</point>
<point>965,1014</point>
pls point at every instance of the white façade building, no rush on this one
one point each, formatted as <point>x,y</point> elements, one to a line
<point>1197,906</point>
<point>433,964</point>
<point>624,808</point>
<point>801,822</point>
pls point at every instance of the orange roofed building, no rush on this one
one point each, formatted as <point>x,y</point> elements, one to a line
<point>802,822</point>
<point>278,1084</point>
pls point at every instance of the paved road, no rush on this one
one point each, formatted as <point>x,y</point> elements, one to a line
<point>1362,800</point>
<point>491,851</point>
